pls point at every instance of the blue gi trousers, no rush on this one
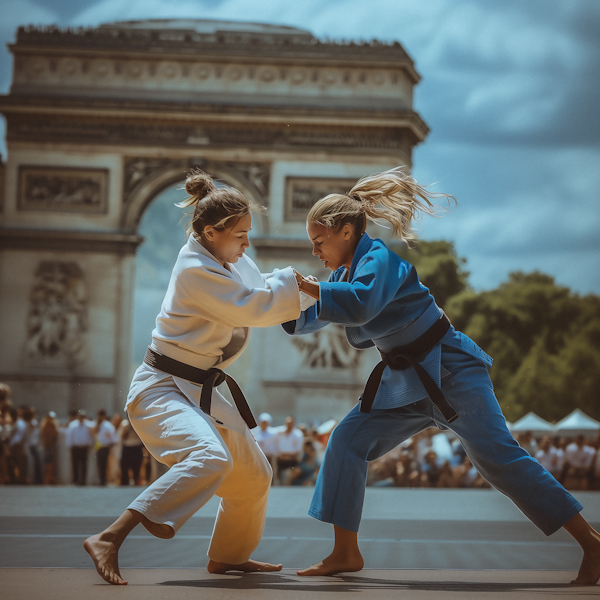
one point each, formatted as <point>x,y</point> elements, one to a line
<point>481,428</point>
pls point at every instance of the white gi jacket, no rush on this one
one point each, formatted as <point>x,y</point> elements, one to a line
<point>208,310</point>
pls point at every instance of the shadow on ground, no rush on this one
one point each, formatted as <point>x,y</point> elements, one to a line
<point>275,581</point>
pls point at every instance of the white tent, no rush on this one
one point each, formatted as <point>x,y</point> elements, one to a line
<point>578,422</point>
<point>531,422</point>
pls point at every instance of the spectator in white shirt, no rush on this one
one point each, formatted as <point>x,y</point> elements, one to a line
<point>578,458</point>
<point>266,438</point>
<point>105,438</point>
<point>289,445</point>
<point>548,457</point>
<point>79,439</point>
<point>17,442</point>
<point>33,445</point>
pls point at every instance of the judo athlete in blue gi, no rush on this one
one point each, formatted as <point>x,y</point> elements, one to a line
<point>431,374</point>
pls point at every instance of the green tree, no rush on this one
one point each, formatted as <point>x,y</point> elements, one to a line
<point>439,268</point>
<point>545,341</point>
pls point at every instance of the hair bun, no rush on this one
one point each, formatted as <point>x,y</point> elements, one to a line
<point>198,184</point>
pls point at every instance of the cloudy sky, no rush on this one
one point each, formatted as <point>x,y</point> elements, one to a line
<point>510,90</point>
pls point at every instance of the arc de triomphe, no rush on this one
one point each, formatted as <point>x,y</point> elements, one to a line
<point>100,121</point>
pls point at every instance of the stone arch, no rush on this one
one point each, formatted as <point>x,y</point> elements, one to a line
<point>144,179</point>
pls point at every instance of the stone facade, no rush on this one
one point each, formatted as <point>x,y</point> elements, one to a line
<point>100,121</point>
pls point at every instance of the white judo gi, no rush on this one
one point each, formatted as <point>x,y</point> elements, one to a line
<point>204,322</point>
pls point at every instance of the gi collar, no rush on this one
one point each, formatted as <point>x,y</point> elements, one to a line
<point>364,245</point>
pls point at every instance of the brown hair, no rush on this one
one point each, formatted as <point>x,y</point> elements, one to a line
<point>393,196</point>
<point>213,205</point>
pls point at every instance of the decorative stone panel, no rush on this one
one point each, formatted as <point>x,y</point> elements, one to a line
<point>62,189</point>
<point>302,192</point>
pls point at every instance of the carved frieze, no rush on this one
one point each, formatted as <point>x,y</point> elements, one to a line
<point>62,189</point>
<point>255,175</point>
<point>302,192</point>
<point>58,314</point>
<point>137,169</point>
<point>133,73</point>
<point>258,174</point>
<point>327,349</point>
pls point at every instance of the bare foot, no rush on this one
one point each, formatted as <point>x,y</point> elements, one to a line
<point>336,563</point>
<point>105,556</point>
<point>589,571</point>
<point>251,566</point>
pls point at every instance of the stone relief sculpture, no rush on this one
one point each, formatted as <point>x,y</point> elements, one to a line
<point>327,348</point>
<point>302,192</point>
<point>137,169</point>
<point>258,174</point>
<point>57,318</point>
<point>54,188</point>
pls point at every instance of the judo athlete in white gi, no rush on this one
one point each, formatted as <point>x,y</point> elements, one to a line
<point>214,296</point>
<point>430,374</point>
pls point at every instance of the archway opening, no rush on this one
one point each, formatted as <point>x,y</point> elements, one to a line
<point>163,229</point>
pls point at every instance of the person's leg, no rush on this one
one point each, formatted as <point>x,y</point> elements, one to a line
<point>589,540</point>
<point>77,460</point>
<point>339,492</point>
<point>104,547</point>
<point>22,463</point>
<point>244,493</point>
<point>85,450</point>
<point>102,463</point>
<point>125,464</point>
<point>180,436</point>
<point>38,477</point>
<point>73,465</point>
<point>481,427</point>
<point>137,457</point>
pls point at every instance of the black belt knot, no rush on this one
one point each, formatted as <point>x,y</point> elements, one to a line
<point>218,376</point>
<point>411,355</point>
<point>208,379</point>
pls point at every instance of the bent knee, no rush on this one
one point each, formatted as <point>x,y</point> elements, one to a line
<point>217,461</point>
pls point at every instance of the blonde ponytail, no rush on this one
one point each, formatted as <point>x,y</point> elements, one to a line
<point>393,196</point>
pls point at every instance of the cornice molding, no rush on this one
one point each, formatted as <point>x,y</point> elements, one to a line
<point>139,110</point>
<point>68,241</point>
<point>196,135</point>
<point>218,44</point>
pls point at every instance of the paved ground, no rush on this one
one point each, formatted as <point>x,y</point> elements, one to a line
<point>441,543</point>
<point>179,584</point>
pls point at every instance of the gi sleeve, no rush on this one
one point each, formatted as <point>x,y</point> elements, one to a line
<point>213,294</point>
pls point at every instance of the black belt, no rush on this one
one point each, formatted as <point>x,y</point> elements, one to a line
<point>207,379</point>
<point>410,355</point>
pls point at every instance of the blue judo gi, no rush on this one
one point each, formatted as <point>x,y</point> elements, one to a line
<point>382,303</point>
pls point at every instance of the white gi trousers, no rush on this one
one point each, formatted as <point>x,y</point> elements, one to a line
<point>205,458</point>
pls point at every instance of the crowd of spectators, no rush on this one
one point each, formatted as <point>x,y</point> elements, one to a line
<point>295,453</point>
<point>30,447</point>
<point>436,459</point>
<point>30,450</point>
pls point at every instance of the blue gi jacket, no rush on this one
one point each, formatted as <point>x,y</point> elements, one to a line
<point>382,303</point>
